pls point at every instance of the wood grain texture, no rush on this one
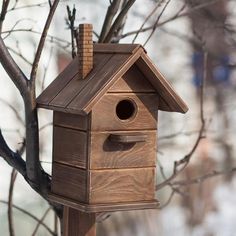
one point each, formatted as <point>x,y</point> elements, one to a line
<point>75,86</point>
<point>70,147</point>
<point>109,207</point>
<point>58,84</point>
<point>132,81</point>
<point>115,48</point>
<point>69,182</point>
<point>72,121</point>
<point>145,118</point>
<point>162,86</point>
<point>107,154</point>
<point>124,185</point>
<point>77,223</point>
<point>112,71</point>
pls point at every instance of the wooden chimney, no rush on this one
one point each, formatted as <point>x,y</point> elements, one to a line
<point>85,49</point>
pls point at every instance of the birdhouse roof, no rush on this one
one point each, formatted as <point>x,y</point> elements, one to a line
<point>69,94</point>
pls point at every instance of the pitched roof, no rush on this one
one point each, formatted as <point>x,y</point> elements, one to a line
<point>69,94</point>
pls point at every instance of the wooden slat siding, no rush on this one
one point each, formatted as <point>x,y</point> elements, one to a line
<point>162,86</point>
<point>132,81</point>
<point>69,182</point>
<point>71,120</point>
<point>115,48</point>
<point>122,185</point>
<point>70,147</point>
<point>76,85</point>
<point>58,84</point>
<point>108,154</point>
<point>97,87</point>
<point>103,115</point>
<point>77,223</point>
<point>112,207</point>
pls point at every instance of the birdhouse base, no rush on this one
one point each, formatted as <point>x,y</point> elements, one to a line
<point>88,208</point>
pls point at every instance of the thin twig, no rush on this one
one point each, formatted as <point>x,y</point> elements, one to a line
<point>42,41</point>
<point>10,200</point>
<point>5,4</point>
<point>40,221</point>
<point>147,18</point>
<point>111,12</point>
<point>118,20</point>
<point>157,20</point>
<point>30,215</point>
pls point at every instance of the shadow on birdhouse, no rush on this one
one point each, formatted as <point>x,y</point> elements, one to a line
<point>105,107</point>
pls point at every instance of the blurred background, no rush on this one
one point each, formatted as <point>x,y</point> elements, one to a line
<point>201,200</point>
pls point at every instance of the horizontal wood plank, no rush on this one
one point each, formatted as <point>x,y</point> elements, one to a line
<point>124,185</point>
<point>132,81</point>
<point>72,121</point>
<point>69,182</point>
<point>104,116</point>
<point>108,154</point>
<point>70,147</point>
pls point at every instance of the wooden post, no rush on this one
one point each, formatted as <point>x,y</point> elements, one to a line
<point>77,223</point>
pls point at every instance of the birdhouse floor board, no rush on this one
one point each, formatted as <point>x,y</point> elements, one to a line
<point>93,208</point>
<point>109,154</point>
<point>70,146</point>
<point>71,121</point>
<point>144,116</point>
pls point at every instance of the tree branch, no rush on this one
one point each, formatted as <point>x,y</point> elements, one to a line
<point>118,21</point>
<point>5,4</point>
<point>111,12</point>
<point>42,41</point>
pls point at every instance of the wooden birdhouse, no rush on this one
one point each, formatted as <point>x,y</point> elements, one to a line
<point>105,106</point>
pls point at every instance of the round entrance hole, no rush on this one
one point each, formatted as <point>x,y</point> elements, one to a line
<point>125,109</point>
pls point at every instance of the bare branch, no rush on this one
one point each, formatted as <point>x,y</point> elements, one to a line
<point>157,20</point>
<point>202,178</point>
<point>111,12</point>
<point>71,25</point>
<point>13,70</point>
<point>118,21</point>
<point>10,200</point>
<point>174,17</point>
<point>42,41</point>
<point>12,158</point>
<point>30,215</point>
<point>5,4</point>
<point>40,221</point>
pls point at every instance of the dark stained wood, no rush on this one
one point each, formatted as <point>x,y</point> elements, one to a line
<point>58,84</point>
<point>117,48</point>
<point>124,206</point>
<point>127,138</point>
<point>72,121</point>
<point>145,118</point>
<point>96,88</point>
<point>132,81</point>
<point>75,86</point>
<point>69,182</point>
<point>107,154</point>
<point>70,95</point>
<point>122,185</point>
<point>70,146</point>
<point>161,85</point>
<point>77,223</point>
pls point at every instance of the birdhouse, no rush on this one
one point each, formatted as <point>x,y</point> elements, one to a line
<point>105,106</point>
